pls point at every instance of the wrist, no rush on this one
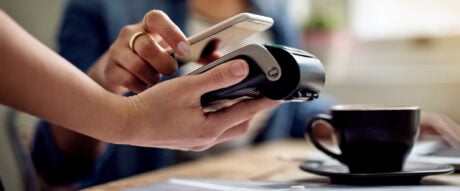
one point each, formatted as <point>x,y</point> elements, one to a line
<point>116,119</point>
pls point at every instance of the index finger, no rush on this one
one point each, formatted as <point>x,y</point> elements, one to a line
<point>156,21</point>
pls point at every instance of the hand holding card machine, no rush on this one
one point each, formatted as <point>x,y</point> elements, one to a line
<point>275,72</point>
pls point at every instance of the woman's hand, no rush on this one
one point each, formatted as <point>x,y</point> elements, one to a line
<point>170,115</point>
<point>438,124</point>
<point>140,55</point>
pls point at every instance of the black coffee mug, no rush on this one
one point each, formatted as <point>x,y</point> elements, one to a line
<point>371,138</point>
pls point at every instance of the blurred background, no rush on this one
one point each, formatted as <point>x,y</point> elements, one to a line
<point>389,51</point>
<point>374,51</point>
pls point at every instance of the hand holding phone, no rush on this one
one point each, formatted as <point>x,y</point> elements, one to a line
<point>227,32</point>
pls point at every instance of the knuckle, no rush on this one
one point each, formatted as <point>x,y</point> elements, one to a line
<point>169,67</point>
<point>109,70</point>
<point>251,111</point>
<point>217,77</point>
<point>169,30</point>
<point>243,129</point>
<point>204,136</point>
<point>199,148</point>
<point>208,136</point>
<point>143,47</point>
<point>126,82</point>
<point>153,18</point>
<point>113,50</point>
<point>137,67</point>
<point>162,65</point>
<point>155,78</point>
<point>156,14</point>
<point>127,31</point>
<point>147,48</point>
<point>129,82</point>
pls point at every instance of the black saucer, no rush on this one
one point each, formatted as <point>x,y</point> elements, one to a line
<point>412,173</point>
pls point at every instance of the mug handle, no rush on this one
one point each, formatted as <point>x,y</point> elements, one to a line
<point>309,134</point>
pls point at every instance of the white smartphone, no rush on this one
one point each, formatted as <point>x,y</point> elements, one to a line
<point>227,32</point>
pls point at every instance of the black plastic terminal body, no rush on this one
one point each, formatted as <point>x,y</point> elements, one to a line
<point>275,72</point>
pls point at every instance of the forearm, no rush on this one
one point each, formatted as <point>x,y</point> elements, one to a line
<point>36,80</point>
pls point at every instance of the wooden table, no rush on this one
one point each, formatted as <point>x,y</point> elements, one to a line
<point>255,163</point>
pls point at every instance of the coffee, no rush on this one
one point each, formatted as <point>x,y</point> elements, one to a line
<point>371,138</point>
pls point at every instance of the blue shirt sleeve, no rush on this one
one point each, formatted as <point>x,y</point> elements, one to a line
<point>83,37</point>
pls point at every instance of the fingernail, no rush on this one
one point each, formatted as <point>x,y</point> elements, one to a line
<point>238,69</point>
<point>183,48</point>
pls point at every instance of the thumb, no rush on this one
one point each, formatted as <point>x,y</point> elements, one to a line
<point>222,76</point>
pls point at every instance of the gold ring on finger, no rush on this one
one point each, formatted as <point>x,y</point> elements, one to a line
<point>133,39</point>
